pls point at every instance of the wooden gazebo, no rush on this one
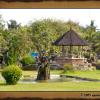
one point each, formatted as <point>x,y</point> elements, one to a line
<point>70,39</point>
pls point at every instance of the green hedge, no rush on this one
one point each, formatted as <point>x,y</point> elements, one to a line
<point>12,74</point>
<point>68,67</point>
<point>28,60</point>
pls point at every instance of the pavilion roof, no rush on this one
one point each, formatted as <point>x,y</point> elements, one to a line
<point>70,38</point>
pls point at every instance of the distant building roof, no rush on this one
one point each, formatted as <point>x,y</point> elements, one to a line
<point>70,38</point>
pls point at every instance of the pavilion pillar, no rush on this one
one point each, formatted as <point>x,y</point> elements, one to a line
<point>63,51</point>
<point>70,51</point>
<point>82,51</point>
<point>78,51</point>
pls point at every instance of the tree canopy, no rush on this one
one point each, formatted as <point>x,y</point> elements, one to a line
<point>18,40</point>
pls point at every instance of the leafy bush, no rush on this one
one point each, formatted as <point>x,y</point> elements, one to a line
<point>68,67</point>
<point>28,60</point>
<point>12,74</point>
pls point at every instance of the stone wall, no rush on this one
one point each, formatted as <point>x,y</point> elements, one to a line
<point>78,63</point>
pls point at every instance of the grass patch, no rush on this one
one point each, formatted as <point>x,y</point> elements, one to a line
<point>59,86</point>
<point>87,74</point>
<point>56,86</point>
<point>30,73</point>
<point>56,72</point>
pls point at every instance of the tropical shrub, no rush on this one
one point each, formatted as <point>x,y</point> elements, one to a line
<point>12,74</point>
<point>68,67</point>
<point>28,60</point>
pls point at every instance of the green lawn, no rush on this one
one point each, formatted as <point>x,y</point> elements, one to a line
<point>32,73</point>
<point>56,86</point>
<point>87,74</point>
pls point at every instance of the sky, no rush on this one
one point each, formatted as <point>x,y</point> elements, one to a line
<point>25,16</point>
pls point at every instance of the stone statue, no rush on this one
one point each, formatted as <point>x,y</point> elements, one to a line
<point>44,68</point>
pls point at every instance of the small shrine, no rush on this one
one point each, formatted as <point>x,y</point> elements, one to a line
<point>69,42</point>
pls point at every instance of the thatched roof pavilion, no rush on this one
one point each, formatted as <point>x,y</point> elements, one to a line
<point>70,38</point>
